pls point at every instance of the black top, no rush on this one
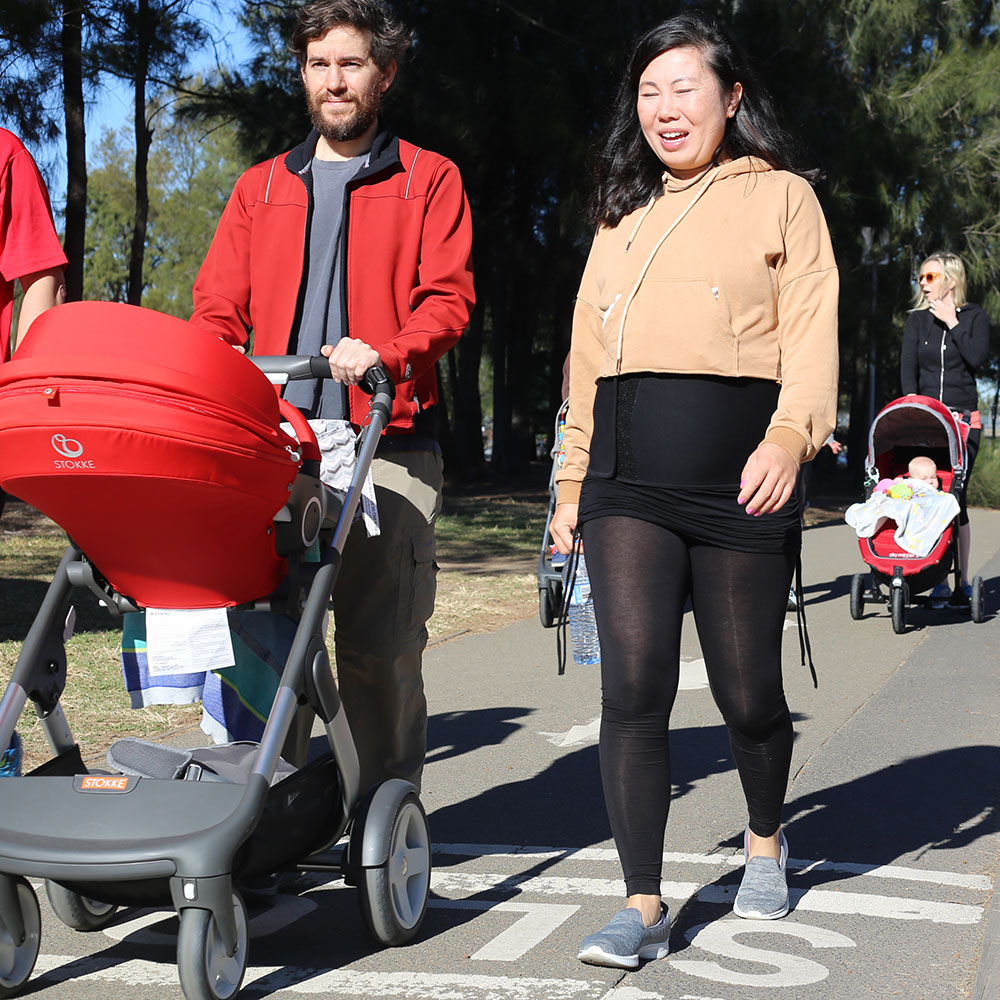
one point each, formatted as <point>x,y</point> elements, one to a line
<point>935,361</point>
<point>670,449</point>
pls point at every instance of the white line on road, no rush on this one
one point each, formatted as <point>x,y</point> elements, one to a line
<point>538,922</point>
<point>330,982</point>
<point>816,900</point>
<point>801,865</point>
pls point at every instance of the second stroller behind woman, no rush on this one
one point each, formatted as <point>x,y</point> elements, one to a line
<point>907,427</point>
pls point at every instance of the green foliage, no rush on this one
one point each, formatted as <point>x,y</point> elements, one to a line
<point>984,485</point>
<point>193,167</point>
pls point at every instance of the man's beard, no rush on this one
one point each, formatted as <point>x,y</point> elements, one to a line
<point>344,128</point>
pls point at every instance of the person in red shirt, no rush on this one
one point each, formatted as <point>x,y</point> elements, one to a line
<point>30,251</point>
<point>357,245</point>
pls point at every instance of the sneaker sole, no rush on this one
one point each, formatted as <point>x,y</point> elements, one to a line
<point>597,956</point>
<point>757,915</point>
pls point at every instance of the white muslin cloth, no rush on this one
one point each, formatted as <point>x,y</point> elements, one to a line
<point>920,519</point>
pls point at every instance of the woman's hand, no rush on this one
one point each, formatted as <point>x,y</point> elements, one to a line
<point>768,479</point>
<point>944,308</point>
<point>563,525</point>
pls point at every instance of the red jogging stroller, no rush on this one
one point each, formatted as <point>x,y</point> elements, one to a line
<point>158,448</point>
<point>903,429</point>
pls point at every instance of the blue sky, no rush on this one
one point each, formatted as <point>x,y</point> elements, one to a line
<point>111,105</point>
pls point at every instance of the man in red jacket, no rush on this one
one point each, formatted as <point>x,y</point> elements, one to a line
<point>357,245</point>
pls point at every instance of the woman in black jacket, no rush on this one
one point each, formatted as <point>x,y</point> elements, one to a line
<point>946,339</point>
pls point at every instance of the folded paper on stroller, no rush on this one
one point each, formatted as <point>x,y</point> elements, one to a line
<point>156,446</point>
<point>187,642</point>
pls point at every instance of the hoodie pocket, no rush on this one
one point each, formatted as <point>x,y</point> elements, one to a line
<point>681,324</point>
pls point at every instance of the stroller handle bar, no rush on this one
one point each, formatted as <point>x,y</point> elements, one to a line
<point>282,368</point>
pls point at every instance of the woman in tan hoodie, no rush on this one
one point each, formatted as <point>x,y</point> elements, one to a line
<point>703,372</point>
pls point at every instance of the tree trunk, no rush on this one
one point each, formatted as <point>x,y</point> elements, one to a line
<point>71,40</point>
<point>143,139</point>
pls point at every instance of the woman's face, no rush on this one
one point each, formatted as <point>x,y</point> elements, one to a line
<point>933,281</point>
<point>683,110</point>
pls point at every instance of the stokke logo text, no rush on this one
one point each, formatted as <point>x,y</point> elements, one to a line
<point>104,783</point>
<point>67,446</point>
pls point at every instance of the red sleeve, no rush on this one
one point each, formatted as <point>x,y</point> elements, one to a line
<point>222,288</point>
<point>28,240</point>
<point>442,299</point>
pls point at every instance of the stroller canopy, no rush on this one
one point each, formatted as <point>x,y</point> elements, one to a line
<point>917,422</point>
<point>155,445</point>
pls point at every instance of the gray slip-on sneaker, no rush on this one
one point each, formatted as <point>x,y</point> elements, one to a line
<point>763,892</point>
<point>626,939</point>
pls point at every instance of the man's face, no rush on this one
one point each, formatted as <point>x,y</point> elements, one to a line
<point>343,85</point>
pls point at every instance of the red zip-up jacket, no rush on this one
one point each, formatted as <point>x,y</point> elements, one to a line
<point>407,248</point>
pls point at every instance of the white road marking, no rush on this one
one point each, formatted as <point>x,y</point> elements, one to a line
<point>331,982</point>
<point>793,970</point>
<point>545,885</point>
<point>863,904</point>
<point>800,865</point>
<point>538,922</point>
<point>815,900</point>
<point>282,910</point>
<point>694,677</point>
<point>577,735</point>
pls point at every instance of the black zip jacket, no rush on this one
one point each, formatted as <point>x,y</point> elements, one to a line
<point>942,363</point>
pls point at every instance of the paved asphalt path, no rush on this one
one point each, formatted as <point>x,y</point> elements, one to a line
<point>892,819</point>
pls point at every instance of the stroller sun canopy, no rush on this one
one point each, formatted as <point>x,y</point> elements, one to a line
<point>919,422</point>
<point>155,445</point>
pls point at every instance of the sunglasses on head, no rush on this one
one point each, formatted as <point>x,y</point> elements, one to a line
<point>929,276</point>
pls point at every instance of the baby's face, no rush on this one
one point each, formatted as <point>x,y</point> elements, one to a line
<point>926,476</point>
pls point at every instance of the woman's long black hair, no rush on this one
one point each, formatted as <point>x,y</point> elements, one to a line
<point>626,173</point>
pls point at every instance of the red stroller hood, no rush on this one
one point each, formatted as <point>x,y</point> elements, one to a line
<point>155,445</point>
<point>917,422</point>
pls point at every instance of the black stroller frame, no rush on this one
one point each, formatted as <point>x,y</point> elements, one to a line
<point>150,839</point>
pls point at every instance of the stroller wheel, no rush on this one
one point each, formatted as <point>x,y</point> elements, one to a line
<point>20,934</point>
<point>898,608</point>
<point>76,911</point>
<point>977,600</point>
<point>857,596</point>
<point>394,895</point>
<point>206,971</point>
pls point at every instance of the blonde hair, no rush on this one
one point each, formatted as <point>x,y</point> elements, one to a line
<point>953,270</point>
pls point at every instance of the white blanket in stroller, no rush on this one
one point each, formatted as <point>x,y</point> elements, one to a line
<point>920,519</point>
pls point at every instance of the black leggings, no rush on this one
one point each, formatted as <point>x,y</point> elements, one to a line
<point>641,575</point>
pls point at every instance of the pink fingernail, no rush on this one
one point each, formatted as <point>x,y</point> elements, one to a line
<point>750,510</point>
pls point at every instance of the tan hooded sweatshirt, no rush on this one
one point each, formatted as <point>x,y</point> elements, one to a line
<point>731,273</point>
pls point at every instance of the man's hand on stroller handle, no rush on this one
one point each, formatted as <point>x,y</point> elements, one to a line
<point>350,359</point>
<point>768,479</point>
<point>563,525</point>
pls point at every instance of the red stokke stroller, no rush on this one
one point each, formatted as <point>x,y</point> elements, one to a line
<point>903,429</point>
<point>158,448</point>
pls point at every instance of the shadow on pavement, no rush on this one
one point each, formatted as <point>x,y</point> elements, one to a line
<point>943,801</point>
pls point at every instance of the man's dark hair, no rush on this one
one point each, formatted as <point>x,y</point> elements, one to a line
<point>626,173</point>
<point>388,37</point>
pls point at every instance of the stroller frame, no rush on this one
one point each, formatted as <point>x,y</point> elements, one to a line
<point>140,839</point>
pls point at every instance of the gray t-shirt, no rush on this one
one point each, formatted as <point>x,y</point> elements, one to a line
<point>322,309</point>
